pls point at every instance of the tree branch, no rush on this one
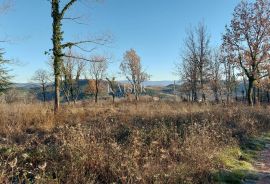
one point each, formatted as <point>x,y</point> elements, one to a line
<point>74,19</point>
<point>242,66</point>
<point>97,42</point>
<point>66,7</point>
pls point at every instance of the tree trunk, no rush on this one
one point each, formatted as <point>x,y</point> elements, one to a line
<point>228,97</point>
<point>43,92</point>
<point>96,97</point>
<point>259,96</point>
<point>57,51</point>
<point>268,96</point>
<point>136,96</point>
<point>250,91</point>
<point>254,96</point>
<point>57,94</point>
<point>236,95</point>
<point>216,96</point>
<point>72,93</point>
<point>96,94</point>
<point>203,97</point>
<point>194,93</point>
<point>243,95</point>
<point>136,92</point>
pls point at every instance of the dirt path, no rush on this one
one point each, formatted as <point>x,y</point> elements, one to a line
<point>262,167</point>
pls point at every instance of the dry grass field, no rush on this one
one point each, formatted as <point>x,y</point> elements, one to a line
<point>145,142</point>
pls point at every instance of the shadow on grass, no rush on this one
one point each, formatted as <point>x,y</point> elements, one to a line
<point>239,162</point>
<point>236,176</point>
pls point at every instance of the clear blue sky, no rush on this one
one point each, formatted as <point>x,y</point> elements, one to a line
<point>155,28</point>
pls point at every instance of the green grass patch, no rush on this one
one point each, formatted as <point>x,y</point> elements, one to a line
<point>237,161</point>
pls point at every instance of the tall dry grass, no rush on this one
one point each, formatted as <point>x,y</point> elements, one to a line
<point>146,142</point>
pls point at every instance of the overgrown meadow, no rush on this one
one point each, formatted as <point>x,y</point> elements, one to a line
<point>126,142</point>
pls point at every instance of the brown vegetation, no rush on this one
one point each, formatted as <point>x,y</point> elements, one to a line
<point>161,142</point>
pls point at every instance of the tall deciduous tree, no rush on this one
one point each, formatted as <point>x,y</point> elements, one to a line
<point>58,11</point>
<point>131,68</point>
<point>203,56</point>
<point>248,40</point>
<point>188,70</point>
<point>195,61</point>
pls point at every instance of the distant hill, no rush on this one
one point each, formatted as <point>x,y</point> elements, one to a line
<point>84,82</point>
<point>158,83</point>
<point>154,83</point>
<point>162,89</point>
<point>25,85</point>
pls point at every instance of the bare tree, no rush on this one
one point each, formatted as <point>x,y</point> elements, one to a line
<point>203,56</point>
<point>132,69</point>
<point>42,77</point>
<point>98,68</point>
<point>187,70</point>
<point>195,61</point>
<point>189,67</point>
<point>59,10</point>
<point>247,39</point>
<point>71,71</point>
<point>215,74</point>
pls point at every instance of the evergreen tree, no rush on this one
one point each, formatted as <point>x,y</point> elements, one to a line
<point>4,73</point>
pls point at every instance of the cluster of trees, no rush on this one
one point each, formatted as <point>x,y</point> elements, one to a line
<point>99,64</point>
<point>73,70</point>
<point>244,54</point>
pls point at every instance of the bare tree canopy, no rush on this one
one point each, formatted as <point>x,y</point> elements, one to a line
<point>195,60</point>
<point>42,77</point>
<point>98,68</point>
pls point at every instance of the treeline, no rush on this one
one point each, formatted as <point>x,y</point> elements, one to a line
<point>74,71</point>
<point>243,56</point>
